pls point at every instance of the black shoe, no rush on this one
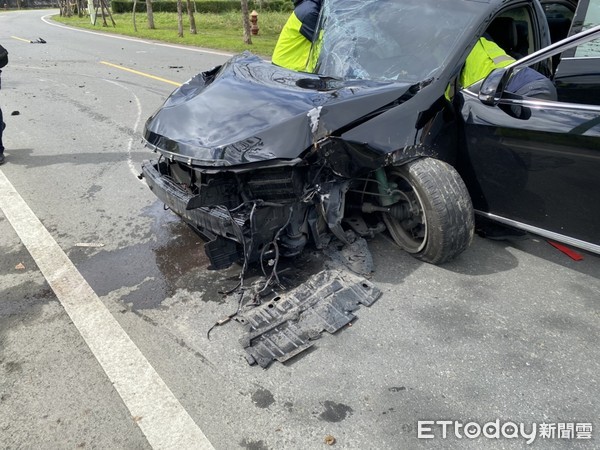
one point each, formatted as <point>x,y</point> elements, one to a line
<point>2,159</point>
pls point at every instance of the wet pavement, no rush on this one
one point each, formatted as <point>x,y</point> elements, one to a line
<point>173,258</point>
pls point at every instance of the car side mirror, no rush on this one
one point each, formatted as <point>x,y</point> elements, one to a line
<point>492,87</point>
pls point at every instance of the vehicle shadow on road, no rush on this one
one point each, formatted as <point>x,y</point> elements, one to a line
<point>539,247</point>
<point>486,257</point>
<point>483,257</point>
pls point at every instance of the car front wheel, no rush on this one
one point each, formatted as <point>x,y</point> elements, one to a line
<point>435,222</point>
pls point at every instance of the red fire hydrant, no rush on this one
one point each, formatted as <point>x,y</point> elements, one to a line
<point>254,20</point>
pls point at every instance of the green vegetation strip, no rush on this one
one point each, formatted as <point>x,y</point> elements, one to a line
<point>222,31</point>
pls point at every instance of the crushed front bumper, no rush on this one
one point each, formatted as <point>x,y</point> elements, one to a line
<point>222,227</point>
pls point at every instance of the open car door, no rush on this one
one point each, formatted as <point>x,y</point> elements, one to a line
<point>535,164</point>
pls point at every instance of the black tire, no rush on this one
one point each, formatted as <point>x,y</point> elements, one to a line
<point>442,222</point>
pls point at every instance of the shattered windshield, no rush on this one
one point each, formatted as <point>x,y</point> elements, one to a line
<point>408,40</point>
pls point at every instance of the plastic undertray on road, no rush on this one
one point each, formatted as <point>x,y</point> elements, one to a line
<point>289,324</point>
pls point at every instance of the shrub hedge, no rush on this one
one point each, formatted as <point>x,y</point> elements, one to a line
<point>202,6</point>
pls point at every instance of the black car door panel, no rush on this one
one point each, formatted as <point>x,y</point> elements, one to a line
<point>535,162</point>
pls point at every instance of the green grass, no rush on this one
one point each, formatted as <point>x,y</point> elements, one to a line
<point>217,31</point>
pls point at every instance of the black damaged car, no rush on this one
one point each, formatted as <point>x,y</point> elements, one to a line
<point>263,161</point>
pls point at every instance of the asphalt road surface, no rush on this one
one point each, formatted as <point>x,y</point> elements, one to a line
<point>105,299</point>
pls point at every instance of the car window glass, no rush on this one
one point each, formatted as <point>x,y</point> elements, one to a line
<point>576,77</point>
<point>510,37</point>
<point>510,33</point>
<point>409,40</point>
<point>524,43</point>
<point>559,17</point>
<point>592,18</point>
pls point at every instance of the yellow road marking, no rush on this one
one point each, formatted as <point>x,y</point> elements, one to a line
<point>126,69</point>
<point>21,39</point>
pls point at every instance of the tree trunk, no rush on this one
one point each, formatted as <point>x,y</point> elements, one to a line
<point>109,13</point>
<point>150,14</point>
<point>133,16</point>
<point>179,19</point>
<point>191,15</point>
<point>104,24</point>
<point>246,17</point>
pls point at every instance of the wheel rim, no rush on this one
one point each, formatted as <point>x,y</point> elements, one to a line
<point>409,234</point>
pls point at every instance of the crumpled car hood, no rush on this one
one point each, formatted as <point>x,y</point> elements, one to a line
<point>250,110</point>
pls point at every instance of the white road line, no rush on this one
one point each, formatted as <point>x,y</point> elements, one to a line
<point>162,419</point>
<point>138,119</point>
<point>139,41</point>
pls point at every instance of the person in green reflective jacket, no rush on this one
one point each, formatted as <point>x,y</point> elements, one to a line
<point>293,46</point>
<point>485,57</point>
